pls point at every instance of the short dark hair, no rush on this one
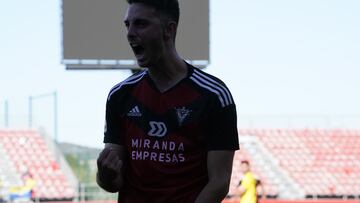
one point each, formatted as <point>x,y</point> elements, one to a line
<point>245,162</point>
<point>169,8</point>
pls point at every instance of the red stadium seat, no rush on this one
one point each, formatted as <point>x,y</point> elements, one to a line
<point>322,162</point>
<point>28,151</point>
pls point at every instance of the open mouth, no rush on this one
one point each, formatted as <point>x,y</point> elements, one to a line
<point>138,49</point>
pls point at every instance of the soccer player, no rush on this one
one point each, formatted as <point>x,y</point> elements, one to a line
<point>247,189</point>
<point>170,132</point>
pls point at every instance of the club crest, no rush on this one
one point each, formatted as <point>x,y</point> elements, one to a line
<point>181,114</point>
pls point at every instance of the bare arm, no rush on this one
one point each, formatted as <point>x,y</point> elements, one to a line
<point>262,189</point>
<point>219,165</point>
<point>241,190</point>
<point>109,163</point>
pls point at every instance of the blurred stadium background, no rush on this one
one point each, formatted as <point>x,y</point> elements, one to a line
<point>294,164</point>
<point>298,158</point>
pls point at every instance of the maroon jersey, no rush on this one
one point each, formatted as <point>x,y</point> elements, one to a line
<point>167,135</point>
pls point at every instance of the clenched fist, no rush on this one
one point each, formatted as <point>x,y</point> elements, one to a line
<point>110,164</point>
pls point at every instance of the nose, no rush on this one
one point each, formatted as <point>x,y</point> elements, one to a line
<point>130,32</point>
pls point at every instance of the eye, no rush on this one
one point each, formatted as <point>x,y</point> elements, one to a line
<point>141,23</point>
<point>126,23</point>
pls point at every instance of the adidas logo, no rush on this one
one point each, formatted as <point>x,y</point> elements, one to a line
<point>134,112</point>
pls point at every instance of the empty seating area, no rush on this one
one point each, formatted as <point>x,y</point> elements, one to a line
<point>322,162</point>
<point>29,153</point>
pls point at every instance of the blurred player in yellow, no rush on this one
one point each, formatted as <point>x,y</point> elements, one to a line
<point>247,189</point>
<point>24,192</point>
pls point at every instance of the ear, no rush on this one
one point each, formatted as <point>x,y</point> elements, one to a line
<point>170,30</point>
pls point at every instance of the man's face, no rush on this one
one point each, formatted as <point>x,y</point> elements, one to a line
<point>144,34</point>
<point>245,167</point>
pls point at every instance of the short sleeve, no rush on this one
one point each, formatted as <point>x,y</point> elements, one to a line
<point>222,129</point>
<point>113,124</point>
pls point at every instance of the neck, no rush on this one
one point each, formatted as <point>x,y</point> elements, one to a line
<point>168,72</point>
